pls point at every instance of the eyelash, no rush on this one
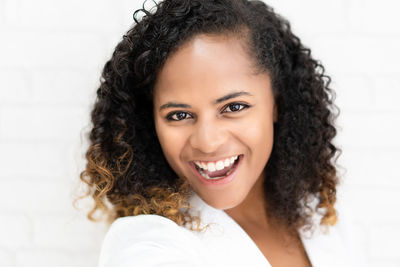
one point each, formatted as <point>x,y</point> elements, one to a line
<point>245,106</point>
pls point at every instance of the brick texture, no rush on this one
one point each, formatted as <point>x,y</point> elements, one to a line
<point>51,56</point>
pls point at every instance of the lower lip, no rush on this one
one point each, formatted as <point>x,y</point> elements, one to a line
<point>221,181</point>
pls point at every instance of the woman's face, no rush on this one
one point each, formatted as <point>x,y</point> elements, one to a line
<point>208,123</point>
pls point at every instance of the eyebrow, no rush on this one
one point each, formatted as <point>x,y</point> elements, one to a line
<point>219,100</point>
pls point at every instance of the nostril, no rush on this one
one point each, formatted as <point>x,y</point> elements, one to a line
<point>207,140</point>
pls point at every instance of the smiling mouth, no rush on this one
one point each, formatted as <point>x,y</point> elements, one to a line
<point>218,174</point>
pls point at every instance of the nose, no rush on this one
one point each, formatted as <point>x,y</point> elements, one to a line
<point>208,136</point>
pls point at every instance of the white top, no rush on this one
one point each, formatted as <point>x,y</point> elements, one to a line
<point>153,240</point>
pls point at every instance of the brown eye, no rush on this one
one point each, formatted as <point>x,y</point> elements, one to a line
<point>235,107</point>
<point>177,116</point>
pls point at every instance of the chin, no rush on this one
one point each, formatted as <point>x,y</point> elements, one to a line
<point>222,203</point>
<point>226,207</point>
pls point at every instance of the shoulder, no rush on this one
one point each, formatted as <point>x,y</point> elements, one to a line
<point>149,240</point>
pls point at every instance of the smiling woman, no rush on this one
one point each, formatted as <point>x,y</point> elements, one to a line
<point>212,142</point>
<point>207,75</point>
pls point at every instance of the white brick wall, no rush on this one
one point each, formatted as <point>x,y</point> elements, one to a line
<point>51,55</point>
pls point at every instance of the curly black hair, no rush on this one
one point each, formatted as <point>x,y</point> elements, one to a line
<point>126,171</point>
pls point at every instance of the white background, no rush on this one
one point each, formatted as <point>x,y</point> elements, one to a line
<point>51,56</point>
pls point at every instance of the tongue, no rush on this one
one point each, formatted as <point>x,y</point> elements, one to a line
<point>220,172</point>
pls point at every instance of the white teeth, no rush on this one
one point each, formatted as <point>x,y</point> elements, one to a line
<point>214,178</point>
<point>219,165</point>
<point>211,166</point>
<point>227,162</point>
<point>204,166</point>
<point>201,165</point>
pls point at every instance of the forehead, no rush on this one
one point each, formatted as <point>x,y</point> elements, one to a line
<point>207,64</point>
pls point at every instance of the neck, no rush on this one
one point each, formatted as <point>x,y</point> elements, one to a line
<point>252,209</point>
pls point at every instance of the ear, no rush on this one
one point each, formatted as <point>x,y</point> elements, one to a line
<point>275,114</point>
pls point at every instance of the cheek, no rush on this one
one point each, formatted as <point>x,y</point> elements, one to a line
<point>171,142</point>
<point>166,140</point>
<point>257,135</point>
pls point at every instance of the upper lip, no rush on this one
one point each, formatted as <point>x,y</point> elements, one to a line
<point>216,159</point>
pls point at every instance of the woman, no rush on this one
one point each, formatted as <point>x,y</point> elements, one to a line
<point>212,142</point>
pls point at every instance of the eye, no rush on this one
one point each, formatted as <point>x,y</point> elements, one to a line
<point>180,115</point>
<point>235,107</point>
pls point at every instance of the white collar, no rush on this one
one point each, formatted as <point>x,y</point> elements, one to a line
<point>227,241</point>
